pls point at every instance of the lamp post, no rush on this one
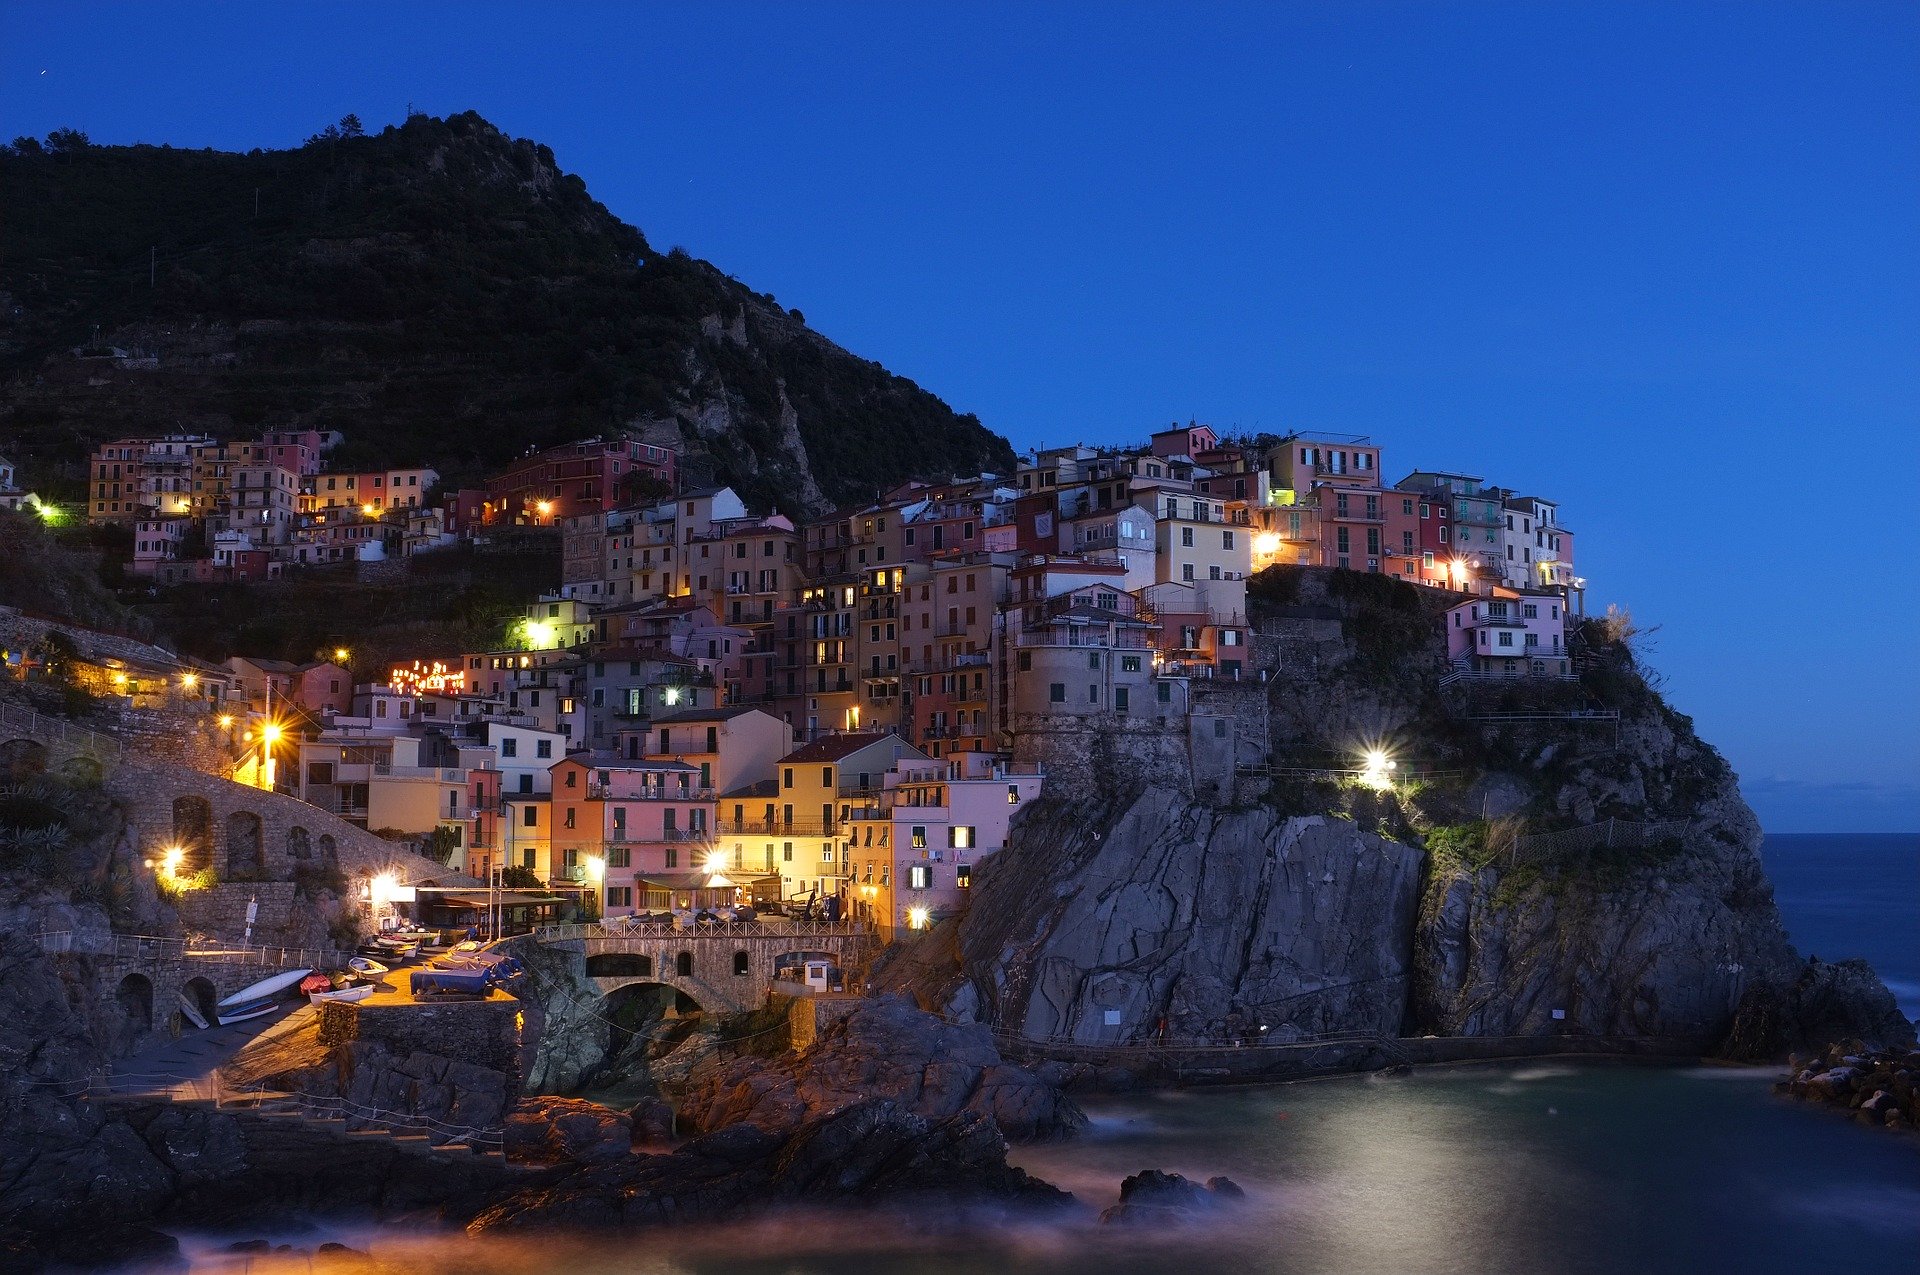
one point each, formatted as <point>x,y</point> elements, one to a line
<point>596,867</point>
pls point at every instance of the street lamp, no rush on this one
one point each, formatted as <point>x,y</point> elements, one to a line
<point>1378,765</point>
<point>596,867</point>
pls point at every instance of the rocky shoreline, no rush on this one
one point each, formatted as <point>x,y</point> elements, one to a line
<point>1877,1086</point>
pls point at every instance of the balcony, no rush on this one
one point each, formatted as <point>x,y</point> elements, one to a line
<point>444,774</point>
<point>777,828</point>
<point>1359,513</point>
<point>648,792</point>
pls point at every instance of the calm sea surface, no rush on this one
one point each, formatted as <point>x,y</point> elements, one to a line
<point>1561,1169</point>
<point>1846,896</point>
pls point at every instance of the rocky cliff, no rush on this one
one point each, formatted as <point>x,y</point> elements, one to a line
<point>440,293</point>
<point>1561,857</point>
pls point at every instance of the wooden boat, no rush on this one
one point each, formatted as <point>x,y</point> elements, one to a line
<point>366,967</point>
<point>354,991</point>
<point>258,999</point>
<point>191,1012</point>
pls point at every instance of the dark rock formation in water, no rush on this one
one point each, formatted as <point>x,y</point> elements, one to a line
<point>885,1049</point>
<point>874,1153</point>
<point>1156,1198</point>
<point>1827,1002</point>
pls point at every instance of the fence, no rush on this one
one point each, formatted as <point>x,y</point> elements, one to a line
<point>1610,834</point>
<point>156,948</point>
<point>54,731</point>
<point>769,929</point>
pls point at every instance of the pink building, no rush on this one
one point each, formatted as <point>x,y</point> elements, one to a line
<point>647,819</point>
<point>911,862</point>
<point>1514,634</point>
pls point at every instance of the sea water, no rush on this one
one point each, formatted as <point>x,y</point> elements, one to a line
<point>1853,895</point>
<point>1552,1167</point>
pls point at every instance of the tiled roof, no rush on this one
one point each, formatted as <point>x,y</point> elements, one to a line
<point>834,747</point>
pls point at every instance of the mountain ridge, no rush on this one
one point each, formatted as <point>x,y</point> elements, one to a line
<point>438,292</point>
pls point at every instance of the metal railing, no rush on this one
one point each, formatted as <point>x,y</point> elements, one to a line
<point>53,730</point>
<point>767,928</point>
<point>159,947</point>
<point>1609,834</point>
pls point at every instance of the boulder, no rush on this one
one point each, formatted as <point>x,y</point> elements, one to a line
<point>547,1130</point>
<point>869,1153</point>
<point>1153,1197</point>
<point>889,1050</point>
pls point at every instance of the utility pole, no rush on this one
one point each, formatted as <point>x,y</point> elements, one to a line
<point>153,266</point>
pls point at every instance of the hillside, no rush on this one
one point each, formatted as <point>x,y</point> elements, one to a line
<point>439,293</point>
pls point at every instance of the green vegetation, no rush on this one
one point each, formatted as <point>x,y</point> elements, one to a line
<point>440,294</point>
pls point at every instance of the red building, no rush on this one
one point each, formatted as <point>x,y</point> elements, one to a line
<point>580,478</point>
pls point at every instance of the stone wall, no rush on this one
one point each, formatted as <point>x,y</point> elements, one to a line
<point>484,1033</point>
<point>222,910</point>
<point>287,833</point>
<point>1097,754</point>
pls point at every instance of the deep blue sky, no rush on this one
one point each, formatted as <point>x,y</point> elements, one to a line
<point>1661,262</point>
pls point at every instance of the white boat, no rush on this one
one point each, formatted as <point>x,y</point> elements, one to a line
<point>366,966</point>
<point>250,1009</point>
<point>351,992</point>
<point>191,1012</point>
<point>257,999</point>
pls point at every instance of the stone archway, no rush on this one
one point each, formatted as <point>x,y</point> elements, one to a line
<point>193,833</point>
<point>134,999</point>
<point>199,992</point>
<point>683,964</point>
<point>329,853</point>
<point>299,846</point>
<point>246,849</point>
<point>22,759</point>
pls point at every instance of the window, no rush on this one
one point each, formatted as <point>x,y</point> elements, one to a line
<point>919,876</point>
<point>1129,664</point>
<point>1226,540</point>
<point>1026,661</point>
<point>1186,537</point>
<point>1013,794</point>
<point>568,821</point>
<point>509,747</point>
<point>963,876</point>
<point>1057,692</point>
<point>1093,693</point>
<point>1119,699</point>
<point>543,748</point>
<point>919,836</point>
<point>530,816</point>
<point>1506,639</point>
<point>1163,691</point>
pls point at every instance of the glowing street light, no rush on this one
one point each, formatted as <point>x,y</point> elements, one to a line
<point>543,507</point>
<point>170,860</point>
<point>189,680</point>
<point>368,510</point>
<point>1377,774</point>
<point>341,655</point>
<point>596,867</point>
<point>716,862</point>
<point>917,918</point>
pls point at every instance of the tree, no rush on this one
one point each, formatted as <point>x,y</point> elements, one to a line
<point>26,146</point>
<point>65,141</point>
<point>350,126</point>
<point>518,878</point>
